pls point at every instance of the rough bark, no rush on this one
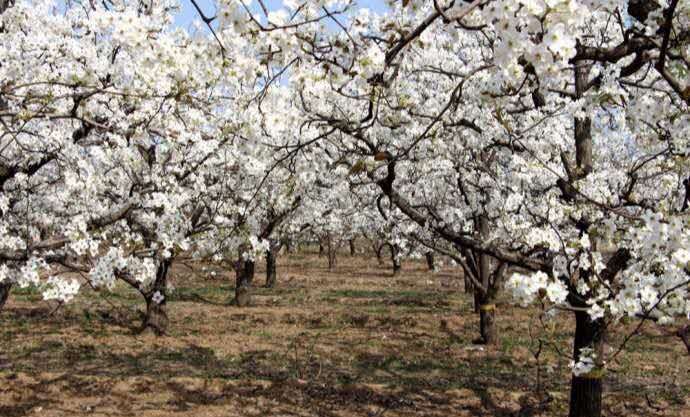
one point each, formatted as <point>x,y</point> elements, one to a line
<point>4,294</point>
<point>586,390</point>
<point>271,274</point>
<point>156,319</point>
<point>244,276</point>
<point>353,249</point>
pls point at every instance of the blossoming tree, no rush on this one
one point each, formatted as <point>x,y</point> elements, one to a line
<point>561,125</point>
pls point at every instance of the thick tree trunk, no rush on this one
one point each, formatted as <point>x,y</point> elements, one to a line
<point>395,257</point>
<point>429,260</point>
<point>271,274</point>
<point>4,294</point>
<point>353,249</point>
<point>586,390</point>
<point>583,126</point>
<point>487,323</point>
<point>244,276</point>
<point>156,318</point>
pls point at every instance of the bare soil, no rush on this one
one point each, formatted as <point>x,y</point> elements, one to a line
<point>355,341</point>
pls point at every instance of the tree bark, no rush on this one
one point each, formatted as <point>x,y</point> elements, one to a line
<point>484,300</point>
<point>353,249</point>
<point>289,246</point>
<point>156,318</point>
<point>5,4</point>
<point>468,284</point>
<point>271,274</point>
<point>487,322</point>
<point>4,287</point>
<point>378,249</point>
<point>4,294</point>
<point>244,276</point>
<point>395,257</point>
<point>331,249</point>
<point>322,250</point>
<point>586,390</point>
<point>429,260</point>
<point>583,126</point>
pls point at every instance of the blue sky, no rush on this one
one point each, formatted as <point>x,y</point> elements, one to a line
<point>189,14</point>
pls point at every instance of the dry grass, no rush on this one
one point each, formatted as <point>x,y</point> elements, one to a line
<point>352,342</point>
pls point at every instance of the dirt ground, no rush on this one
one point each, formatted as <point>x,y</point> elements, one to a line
<point>355,341</point>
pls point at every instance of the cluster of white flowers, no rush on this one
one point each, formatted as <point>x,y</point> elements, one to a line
<point>585,363</point>
<point>526,288</point>
<point>61,289</point>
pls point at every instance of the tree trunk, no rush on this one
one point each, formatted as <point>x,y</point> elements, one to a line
<point>477,299</point>
<point>379,253</point>
<point>244,276</point>
<point>4,287</point>
<point>289,247</point>
<point>429,260</point>
<point>271,275</point>
<point>395,257</point>
<point>586,390</point>
<point>5,4</point>
<point>4,293</point>
<point>468,284</point>
<point>331,249</point>
<point>156,318</point>
<point>322,250</point>
<point>487,323</point>
<point>353,249</point>
<point>484,301</point>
